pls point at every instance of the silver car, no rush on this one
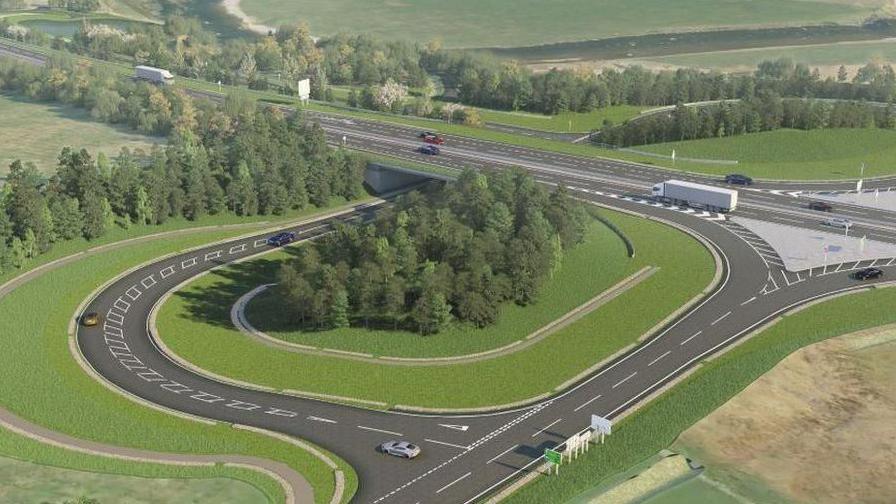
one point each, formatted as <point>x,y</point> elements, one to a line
<point>838,222</point>
<point>401,449</point>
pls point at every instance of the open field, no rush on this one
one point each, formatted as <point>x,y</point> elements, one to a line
<point>33,131</point>
<point>528,22</point>
<point>826,57</point>
<point>685,269</point>
<point>53,391</point>
<point>52,474</point>
<point>657,425</point>
<point>587,270</point>
<point>575,122</point>
<point>794,154</point>
<point>817,428</point>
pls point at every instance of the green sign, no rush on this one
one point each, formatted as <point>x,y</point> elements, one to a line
<point>552,456</point>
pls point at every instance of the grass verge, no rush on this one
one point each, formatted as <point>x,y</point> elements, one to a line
<point>685,269</point>
<point>656,425</point>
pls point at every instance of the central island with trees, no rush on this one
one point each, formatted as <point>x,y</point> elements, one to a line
<point>449,252</point>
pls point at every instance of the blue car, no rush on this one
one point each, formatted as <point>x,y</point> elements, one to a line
<point>429,150</point>
<point>281,239</point>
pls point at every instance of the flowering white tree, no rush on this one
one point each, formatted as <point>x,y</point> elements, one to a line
<point>390,95</point>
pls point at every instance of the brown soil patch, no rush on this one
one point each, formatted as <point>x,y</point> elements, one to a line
<point>819,428</point>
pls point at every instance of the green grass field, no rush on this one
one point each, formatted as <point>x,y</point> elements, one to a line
<point>685,270</point>
<point>53,391</point>
<point>656,425</point>
<point>587,270</point>
<point>37,472</point>
<point>829,55</point>
<point>692,490</point>
<point>33,131</point>
<point>566,122</point>
<point>471,23</point>
<point>795,154</point>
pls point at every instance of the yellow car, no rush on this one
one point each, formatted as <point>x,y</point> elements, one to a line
<point>90,319</point>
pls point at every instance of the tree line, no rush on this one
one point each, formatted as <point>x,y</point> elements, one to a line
<point>766,112</point>
<point>452,252</point>
<point>231,157</point>
<point>278,60</point>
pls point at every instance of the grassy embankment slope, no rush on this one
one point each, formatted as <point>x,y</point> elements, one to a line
<point>470,23</point>
<point>685,269</point>
<point>53,391</point>
<point>34,131</point>
<point>657,425</point>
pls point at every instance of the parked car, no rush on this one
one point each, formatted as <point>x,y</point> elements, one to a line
<point>838,222</point>
<point>434,139</point>
<point>90,319</point>
<point>429,150</point>
<point>281,239</point>
<point>868,274</point>
<point>821,206</point>
<point>401,449</point>
<point>738,179</point>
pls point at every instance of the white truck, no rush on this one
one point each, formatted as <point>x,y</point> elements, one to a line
<point>677,192</point>
<point>153,74</point>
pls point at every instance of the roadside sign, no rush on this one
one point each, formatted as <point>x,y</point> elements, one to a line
<point>552,456</point>
<point>601,425</point>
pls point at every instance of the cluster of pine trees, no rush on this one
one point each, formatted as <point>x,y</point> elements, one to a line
<point>230,157</point>
<point>453,252</point>
<point>766,112</point>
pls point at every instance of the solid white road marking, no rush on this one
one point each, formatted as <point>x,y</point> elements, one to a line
<point>589,401</point>
<point>462,428</point>
<point>446,444</point>
<point>505,452</point>
<point>548,426</point>
<point>627,378</point>
<point>319,419</point>
<point>380,430</point>
<point>716,321</point>
<point>748,301</point>
<point>453,482</point>
<point>654,361</point>
<point>698,333</point>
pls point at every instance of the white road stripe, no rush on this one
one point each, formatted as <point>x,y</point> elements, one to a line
<point>453,482</point>
<point>447,444</point>
<point>748,301</point>
<point>320,419</point>
<point>698,333</point>
<point>380,430</point>
<point>627,378</point>
<point>716,321</point>
<point>505,452</point>
<point>589,401</point>
<point>654,361</point>
<point>548,426</point>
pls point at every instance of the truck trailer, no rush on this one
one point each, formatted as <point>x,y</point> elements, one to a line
<point>153,74</point>
<point>715,199</point>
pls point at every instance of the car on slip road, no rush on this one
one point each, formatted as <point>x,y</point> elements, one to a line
<point>429,150</point>
<point>868,274</point>
<point>90,319</point>
<point>281,239</point>
<point>820,206</point>
<point>738,179</point>
<point>402,449</point>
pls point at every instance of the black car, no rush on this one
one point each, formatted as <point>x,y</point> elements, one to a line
<point>821,206</point>
<point>738,179</point>
<point>868,274</point>
<point>424,134</point>
<point>281,239</point>
<point>429,150</point>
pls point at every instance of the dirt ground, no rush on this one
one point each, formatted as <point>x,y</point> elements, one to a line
<point>819,428</point>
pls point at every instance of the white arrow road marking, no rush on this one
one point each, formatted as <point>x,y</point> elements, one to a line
<point>447,444</point>
<point>319,419</point>
<point>455,427</point>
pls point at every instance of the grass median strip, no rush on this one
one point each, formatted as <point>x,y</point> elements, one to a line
<point>656,425</point>
<point>685,269</point>
<point>52,391</point>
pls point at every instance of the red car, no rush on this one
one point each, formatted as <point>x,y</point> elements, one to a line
<point>434,139</point>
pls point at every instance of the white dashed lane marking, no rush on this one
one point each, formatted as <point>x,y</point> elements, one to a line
<point>589,401</point>
<point>321,419</point>
<point>546,427</point>
<point>362,427</point>
<point>453,482</point>
<point>627,378</point>
<point>698,333</point>
<point>434,441</point>
<point>716,321</point>
<point>654,361</point>
<point>505,452</point>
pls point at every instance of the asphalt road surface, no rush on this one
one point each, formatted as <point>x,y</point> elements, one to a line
<point>468,456</point>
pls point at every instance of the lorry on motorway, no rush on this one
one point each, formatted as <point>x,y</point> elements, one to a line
<point>678,192</point>
<point>153,74</point>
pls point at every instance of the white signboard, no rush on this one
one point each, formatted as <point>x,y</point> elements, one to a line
<point>601,425</point>
<point>304,89</point>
